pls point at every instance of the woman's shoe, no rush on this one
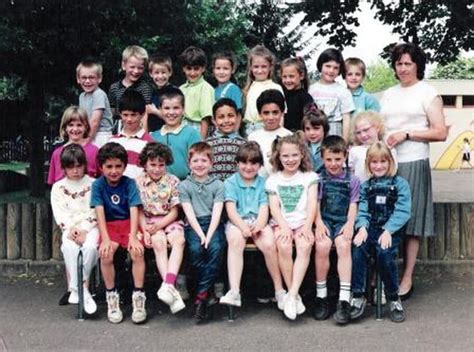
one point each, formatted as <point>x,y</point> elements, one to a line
<point>408,294</point>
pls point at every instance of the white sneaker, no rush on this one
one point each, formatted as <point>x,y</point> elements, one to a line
<point>178,303</point>
<point>181,287</point>
<point>73,297</point>
<point>219,289</point>
<point>114,314</point>
<point>280,298</point>
<point>231,298</point>
<point>90,307</point>
<point>290,307</point>
<point>300,308</point>
<point>165,294</point>
<point>138,303</point>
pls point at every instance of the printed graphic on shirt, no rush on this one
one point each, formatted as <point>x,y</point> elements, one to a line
<point>115,198</point>
<point>290,196</point>
<point>328,105</point>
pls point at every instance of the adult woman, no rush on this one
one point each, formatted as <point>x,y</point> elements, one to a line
<point>413,113</point>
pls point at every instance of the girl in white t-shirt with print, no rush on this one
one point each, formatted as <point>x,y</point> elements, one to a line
<point>292,195</point>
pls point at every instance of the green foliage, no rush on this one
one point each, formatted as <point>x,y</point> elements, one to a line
<point>379,76</point>
<point>462,68</point>
<point>12,87</point>
<point>442,28</point>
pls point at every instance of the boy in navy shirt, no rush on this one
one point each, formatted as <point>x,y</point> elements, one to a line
<point>116,199</point>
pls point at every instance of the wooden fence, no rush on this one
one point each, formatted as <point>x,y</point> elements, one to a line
<point>28,231</point>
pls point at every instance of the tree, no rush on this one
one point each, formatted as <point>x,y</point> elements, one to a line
<point>460,69</point>
<point>379,76</point>
<point>441,28</point>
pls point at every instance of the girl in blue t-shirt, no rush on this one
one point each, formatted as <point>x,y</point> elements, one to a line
<point>246,204</point>
<point>223,67</point>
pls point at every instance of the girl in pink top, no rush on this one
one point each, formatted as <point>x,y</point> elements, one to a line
<point>74,128</point>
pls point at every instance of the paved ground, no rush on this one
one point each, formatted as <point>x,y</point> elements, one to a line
<point>453,187</point>
<point>440,317</point>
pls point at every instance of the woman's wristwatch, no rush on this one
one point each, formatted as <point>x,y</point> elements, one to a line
<point>407,135</point>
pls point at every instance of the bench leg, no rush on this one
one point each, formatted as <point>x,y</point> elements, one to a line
<point>230,313</point>
<point>378,307</point>
<point>80,286</point>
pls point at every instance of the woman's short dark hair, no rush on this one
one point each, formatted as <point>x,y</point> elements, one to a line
<point>417,55</point>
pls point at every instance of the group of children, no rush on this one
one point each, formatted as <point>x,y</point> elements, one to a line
<point>282,188</point>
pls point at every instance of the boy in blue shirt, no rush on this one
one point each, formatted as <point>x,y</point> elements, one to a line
<point>226,140</point>
<point>116,199</point>
<point>175,134</point>
<point>354,76</point>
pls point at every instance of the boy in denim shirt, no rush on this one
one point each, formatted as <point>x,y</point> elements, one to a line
<point>338,197</point>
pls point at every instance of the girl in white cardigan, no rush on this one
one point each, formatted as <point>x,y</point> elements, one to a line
<point>70,201</point>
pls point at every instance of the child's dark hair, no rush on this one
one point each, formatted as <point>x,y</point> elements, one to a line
<point>72,155</point>
<point>155,150</point>
<point>298,62</point>
<point>224,102</point>
<point>160,59</point>
<point>354,61</point>
<point>193,56</point>
<point>270,96</point>
<point>249,152</point>
<point>225,55</point>
<point>132,100</point>
<point>172,93</point>
<point>201,148</point>
<point>331,54</point>
<point>297,139</point>
<point>315,117</point>
<point>334,144</point>
<point>112,150</point>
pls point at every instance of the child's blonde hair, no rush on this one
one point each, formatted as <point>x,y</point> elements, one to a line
<point>354,61</point>
<point>258,50</point>
<point>380,150</point>
<point>297,139</point>
<point>200,148</point>
<point>74,113</point>
<point>300,65</point>
<point>137,51</point>
<point>160,59</point>
<point>96,66</point>
<point>374,118</point>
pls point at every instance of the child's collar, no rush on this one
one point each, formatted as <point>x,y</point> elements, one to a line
<point>219,134</point>
<point>196,82</point>
<point>137,134</point>
<point>164,130</point>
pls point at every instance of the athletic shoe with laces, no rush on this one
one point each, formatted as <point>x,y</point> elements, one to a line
<point>321,308</point>
<point>343,312</point>
<point>358,307</point>
<point>201,312</point>
<point>300,308</point>
<point>280,297</point>
<point>138,303</point>
<point>231,298</point>
<point>114,314</point>
<point>290,307</point>
<point>165,294</point>
<point>397,314</point>
<point>90,307</point>
<point>73,297</point>
<point>178,303</point>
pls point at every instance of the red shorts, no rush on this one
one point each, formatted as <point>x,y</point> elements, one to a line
<point>119,231</point>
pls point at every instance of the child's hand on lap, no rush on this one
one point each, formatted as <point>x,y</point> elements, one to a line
<point>360,237</point>
<point>246,231</point>
<point>321,231</point>
<point>134,246</point>
<point>147,239</point>
<point>347,231</point>
<point>385,240</point>
<point>105,248</point>
<point>285,235</point>
<point>80,237</point>
<point>151,228</point>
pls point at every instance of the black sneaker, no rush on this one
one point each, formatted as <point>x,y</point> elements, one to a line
<point>201,312</point>
<point>343,312</point>
<point>64,300</point>
<point>397,314</point>
<point>357,307</point>
<point>321,308</point>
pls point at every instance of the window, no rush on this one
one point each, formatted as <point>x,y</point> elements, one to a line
<point>468,101</point>
<point>449,100</point>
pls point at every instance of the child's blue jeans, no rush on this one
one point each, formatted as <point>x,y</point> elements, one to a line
<point>206,262</point>
<point>385,261</point>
